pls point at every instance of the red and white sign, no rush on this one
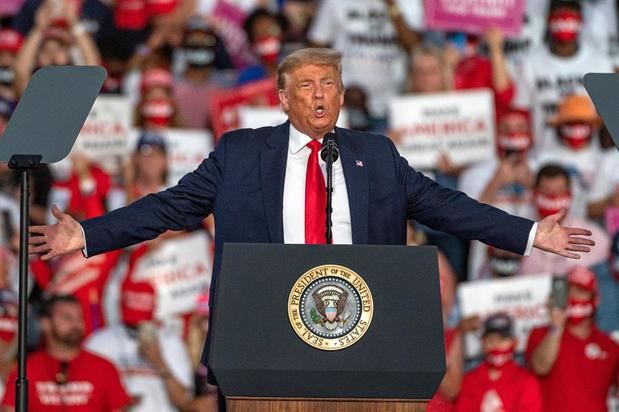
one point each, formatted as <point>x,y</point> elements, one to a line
<point>475,16</point>
<point>225,104</point>
<point>524,298</point>
<point>104,135</point>
<point>458,124</point>
<point>179,270</point>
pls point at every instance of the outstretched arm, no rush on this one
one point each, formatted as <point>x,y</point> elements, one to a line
<point>454,212</point>
<point>180,207</point>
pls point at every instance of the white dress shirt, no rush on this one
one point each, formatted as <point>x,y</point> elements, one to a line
<point>293,212</point>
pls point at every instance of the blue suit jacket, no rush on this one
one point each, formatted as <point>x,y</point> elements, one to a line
<point>242,183</point>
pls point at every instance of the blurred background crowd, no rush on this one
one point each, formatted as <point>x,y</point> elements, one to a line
<point>171,66</point>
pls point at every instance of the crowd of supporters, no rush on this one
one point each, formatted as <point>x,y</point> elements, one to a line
<point>96,341</point>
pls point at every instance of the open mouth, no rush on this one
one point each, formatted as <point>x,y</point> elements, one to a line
<point>319,111</point>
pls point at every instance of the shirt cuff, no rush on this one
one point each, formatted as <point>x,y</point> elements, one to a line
<point>84,249</point>
<point>530,242</point>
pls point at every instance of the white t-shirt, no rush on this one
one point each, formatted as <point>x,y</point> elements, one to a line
<point>544,79</point>
<point>511,198</point>
<point>9,208</point>
<point>139,377</point>
<point>518,48</point>
<point>363,32</point>
<point>600,27</point>
<point>606,179</point>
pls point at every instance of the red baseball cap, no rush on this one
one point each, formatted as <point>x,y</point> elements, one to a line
<point>583,277</point>
<point>137,302</point>
<point>10,40</point>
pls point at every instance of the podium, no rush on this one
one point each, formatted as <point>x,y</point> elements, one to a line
<point>327,328</point>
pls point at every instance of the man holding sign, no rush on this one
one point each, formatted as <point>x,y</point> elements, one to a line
<point>267,186</point>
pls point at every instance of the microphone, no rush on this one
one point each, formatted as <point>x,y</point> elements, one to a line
<point>329,154</point>
<point>329,145</point>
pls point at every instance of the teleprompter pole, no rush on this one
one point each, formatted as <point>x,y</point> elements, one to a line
<point>24,164</point>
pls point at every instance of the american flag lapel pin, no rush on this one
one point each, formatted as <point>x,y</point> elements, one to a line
<point>359,163</point>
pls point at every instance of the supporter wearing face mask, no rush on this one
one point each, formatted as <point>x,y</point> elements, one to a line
<point>556,69</point>
<point>193,89</point>
<point>499,383</point>
<point>157,108</point>
<point>576,363</point>
<point>265,33</point>
<point>501,264</point>
<point>10,43</point>
<point>505,182</point>
<point>575,125</point>
<point>552,194</point>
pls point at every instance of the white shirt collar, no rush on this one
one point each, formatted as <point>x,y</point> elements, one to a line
<point>298,140</point>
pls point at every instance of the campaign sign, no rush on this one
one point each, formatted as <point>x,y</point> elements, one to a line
<point>475,16</point>
<point>187,148</point>
<point>227,18</point>
<point>524,298</point>
<point>103,136</point>
<point>253,117</point>
<point>225,104</point>
<point>459,124</point>
<point>179,270</point>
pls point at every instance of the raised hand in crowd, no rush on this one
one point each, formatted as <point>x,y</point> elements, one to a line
<point>511,169</point>
<point>408,38</point>
<point>500,74</point>
<point>50,42</point>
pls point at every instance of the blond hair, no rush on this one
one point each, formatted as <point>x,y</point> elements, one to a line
<point>312,55</point>
<point>425,51</point>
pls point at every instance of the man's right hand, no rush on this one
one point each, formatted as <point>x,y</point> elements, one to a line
<point>558,316</point>
<point>64,237</point>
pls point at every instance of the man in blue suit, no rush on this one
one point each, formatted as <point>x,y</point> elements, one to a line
<point>261,186</point>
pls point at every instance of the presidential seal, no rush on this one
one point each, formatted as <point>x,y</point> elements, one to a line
<point>330,307</point>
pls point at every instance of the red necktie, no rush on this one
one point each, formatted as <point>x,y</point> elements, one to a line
<point>315,198</point>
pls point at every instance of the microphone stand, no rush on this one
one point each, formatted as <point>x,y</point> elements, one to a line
<point>329,154</point>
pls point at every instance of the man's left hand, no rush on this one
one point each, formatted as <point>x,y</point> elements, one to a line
<point>563,241</point>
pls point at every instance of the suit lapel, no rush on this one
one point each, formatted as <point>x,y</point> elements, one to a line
<point>273,171</point>
<point>356,175</point>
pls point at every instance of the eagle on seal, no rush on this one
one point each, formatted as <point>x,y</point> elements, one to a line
<point>330,303</point>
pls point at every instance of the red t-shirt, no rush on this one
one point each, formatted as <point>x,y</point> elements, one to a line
<point>516,390</point>
<point>92,384</point>
<point>476,72</point>
<point>582,374</point>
